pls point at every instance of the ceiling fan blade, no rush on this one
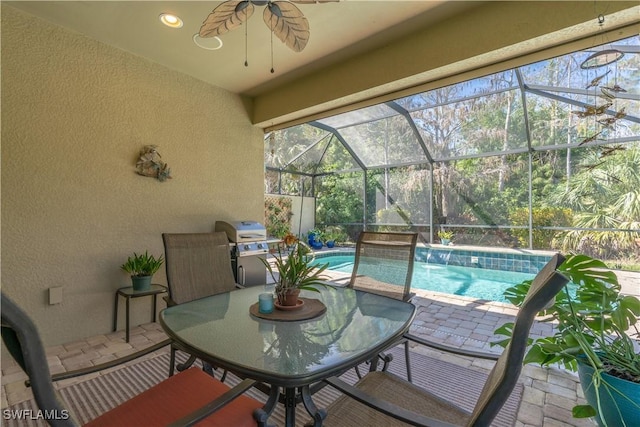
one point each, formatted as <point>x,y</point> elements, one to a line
<point>226,17</point>
<point>313,1</point>
<point>288,23</point>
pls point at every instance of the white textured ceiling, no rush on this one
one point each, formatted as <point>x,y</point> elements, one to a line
<point>338,30</point>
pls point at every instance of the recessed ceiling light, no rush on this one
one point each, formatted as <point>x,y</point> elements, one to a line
<point>171,20</point>
<point>209,43</point>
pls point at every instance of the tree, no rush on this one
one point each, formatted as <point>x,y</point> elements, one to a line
<point>604,194</point>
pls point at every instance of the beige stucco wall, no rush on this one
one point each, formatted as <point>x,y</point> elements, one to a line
<point>75,114</point>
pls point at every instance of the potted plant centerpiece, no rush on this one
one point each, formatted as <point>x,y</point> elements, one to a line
<point>142,268</point>
<point>597,335</point>
<point>445,236</point>
<point>294,271</point>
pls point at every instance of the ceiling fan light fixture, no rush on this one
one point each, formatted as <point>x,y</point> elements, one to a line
<point>208,43</point>
<point>171,20</point>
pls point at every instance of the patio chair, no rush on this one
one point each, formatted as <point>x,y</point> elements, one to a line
<point>384,265</point>
<point>198,265</point>
<point>384,399</point>
<point>182,399</point>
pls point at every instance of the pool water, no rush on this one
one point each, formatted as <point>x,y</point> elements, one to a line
<point>472,282</point>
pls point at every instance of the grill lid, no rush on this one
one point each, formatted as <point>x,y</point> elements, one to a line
<point>242,231</point>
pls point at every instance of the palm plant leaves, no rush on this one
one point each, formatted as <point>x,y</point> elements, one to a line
<point>296,270</point>
<point>226,17</point>
<point>606,197</point>
<point>288,23</point>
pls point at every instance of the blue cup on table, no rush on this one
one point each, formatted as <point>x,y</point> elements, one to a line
<point>265,303</point>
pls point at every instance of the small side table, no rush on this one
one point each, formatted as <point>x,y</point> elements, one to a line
<point>129,293</point>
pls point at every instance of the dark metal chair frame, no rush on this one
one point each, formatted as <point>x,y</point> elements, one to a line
<point>499,385</point>
<point>198,265</point>
<point>22,340</point>
<point>385,246</point>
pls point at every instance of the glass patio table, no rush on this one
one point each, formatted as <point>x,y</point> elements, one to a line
<point>289,356</point>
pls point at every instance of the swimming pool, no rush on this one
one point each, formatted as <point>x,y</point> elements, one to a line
<point>480,283</point>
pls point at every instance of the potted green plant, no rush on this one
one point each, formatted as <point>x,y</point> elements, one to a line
<point>333,235</point>
<point>594,323</point>
<point>142,268</point>
<point>295,272</point>
<point>445,236</point>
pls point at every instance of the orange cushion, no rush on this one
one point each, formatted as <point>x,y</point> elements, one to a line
<point>177,397</point>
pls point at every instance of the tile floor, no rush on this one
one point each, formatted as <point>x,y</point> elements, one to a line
<point>549,394</point>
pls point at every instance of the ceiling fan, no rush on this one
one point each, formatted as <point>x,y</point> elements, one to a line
<point>282,17</point>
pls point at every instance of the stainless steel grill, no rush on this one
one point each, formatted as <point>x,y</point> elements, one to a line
<point>248,244</point>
